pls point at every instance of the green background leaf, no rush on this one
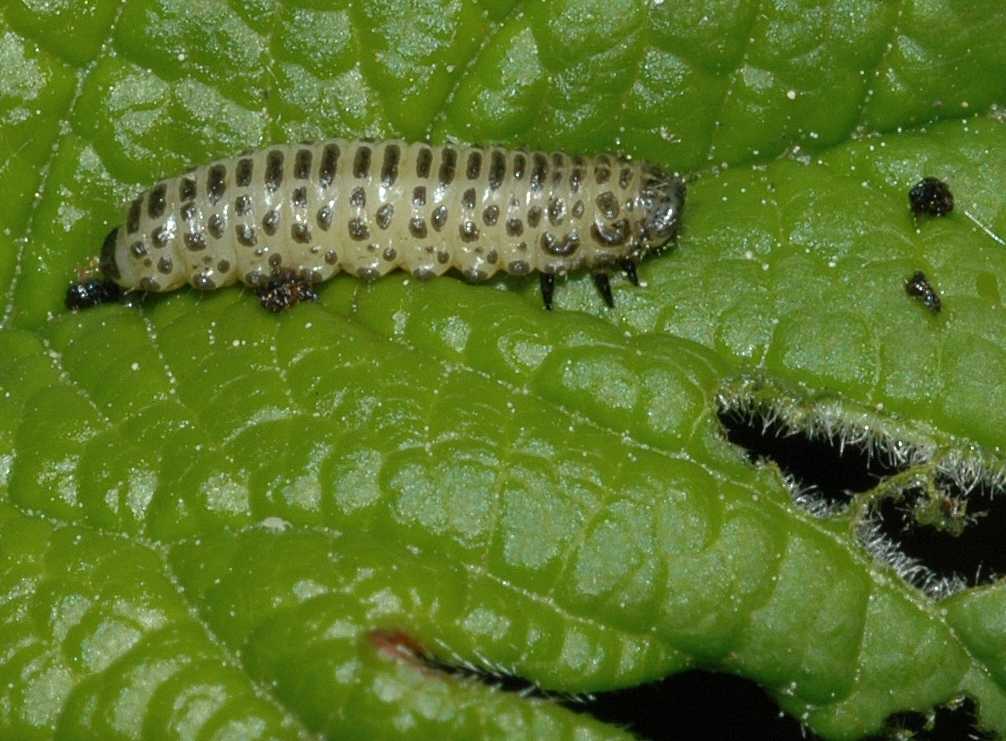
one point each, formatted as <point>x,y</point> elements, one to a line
<point>213,519</point>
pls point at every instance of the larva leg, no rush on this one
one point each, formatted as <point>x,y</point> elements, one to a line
<point>604,288</point>
<point>547,289</point>
<point>630,271</point>
<point>285,290</point>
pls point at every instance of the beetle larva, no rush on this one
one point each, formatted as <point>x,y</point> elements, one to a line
<point>302,213</point>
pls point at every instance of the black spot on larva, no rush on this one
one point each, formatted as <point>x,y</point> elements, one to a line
<point>361,163</point>
<point>556,211</point>
<point>133,217</point>
<point>270,222</point>
<point>275,261</point>
<point>215,226</point>
<point>417,227</point>
<point>474,275</point>
<point>243,172</point>
<point>423,273</point>
<point>358,198</point>
<point>497,169</point>
<point>331,257</point>
<point>577,209</point>
<point>575,179</point>
<point>919,287</point>
<point>138,249</point>
<point>539,170</point>
<point>188,212</point>
<point>165,265</point>
<point>157,201</point>
<point>245,234</point>
<point>195,241</point>
<point>149,284</point>
<point>533,216</point>
<point>607,204</point>
<point>518,267</point>
<point>186,189</point>
<point>474,168</point>
<point>358,230</point>
<point>519,166</point>
<point>203,281</point>
<point>224,266</point>
<point>443,257</point>
<point>383,215</point>
<point>368,273</point>
<point>148,263</point>
<point>216,182</point>
<point>602,174</point>
<point>610,235</point>
<point>160,236</point>
<point>931,196</point>
<point>329,162</point>
<point>242,205</point>
<point>514,227</point>
<point>468,231</point>
<point>255,278</point>
<point>419,195</point>
<point>439,217</point>
<point>558,160</point>
<point>302,164</point>
<point>107,262</point>
<point>424,160</point>
<point>492,257</point>
<point>389,254</point>
<point>491,215</point>
<point>564,247</point>
<point>299,197</point>
<point>300,232</point>
<point>273,170</point>
<point>389,168</point>
<point>468,198</point>
<point>448,163</point>
<point>625,177</point>
<point>90,293</point>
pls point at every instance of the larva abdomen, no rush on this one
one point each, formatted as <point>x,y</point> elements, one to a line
<point>367,208</point>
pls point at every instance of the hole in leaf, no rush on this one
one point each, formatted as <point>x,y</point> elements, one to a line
<point>720,706</point>
<point>957,536</point>
<point>956,720</point>
<point>831,469</point>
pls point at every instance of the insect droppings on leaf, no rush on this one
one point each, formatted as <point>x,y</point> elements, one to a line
<point>918,287</point>
<point>931,196</point>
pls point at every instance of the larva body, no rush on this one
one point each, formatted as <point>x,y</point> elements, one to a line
<point>367,208</point>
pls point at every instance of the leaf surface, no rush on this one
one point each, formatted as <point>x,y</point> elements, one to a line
<point>218,523</point>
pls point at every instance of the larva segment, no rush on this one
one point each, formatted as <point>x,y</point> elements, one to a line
<point>367,208</point>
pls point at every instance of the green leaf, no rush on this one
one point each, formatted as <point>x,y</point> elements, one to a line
<point>219,523</point>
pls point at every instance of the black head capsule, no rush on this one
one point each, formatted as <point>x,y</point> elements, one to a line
<point>931,196</point>
<point>90,293</point>
<point>918,287</point>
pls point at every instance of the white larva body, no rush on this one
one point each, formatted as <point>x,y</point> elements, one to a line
<point>367,208</point>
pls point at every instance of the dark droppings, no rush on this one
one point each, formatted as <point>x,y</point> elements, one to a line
<point>90,293</point>
<point>285,291</point>
<point>931,196</point>
<point>918,287</point>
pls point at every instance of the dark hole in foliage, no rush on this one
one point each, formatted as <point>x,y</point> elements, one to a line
<point>954,722</point>
<point>718,706</point>
<point>831,469</point>
<point>924,529</point>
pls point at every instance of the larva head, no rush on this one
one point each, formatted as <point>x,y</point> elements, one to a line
<point>660,201</point>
